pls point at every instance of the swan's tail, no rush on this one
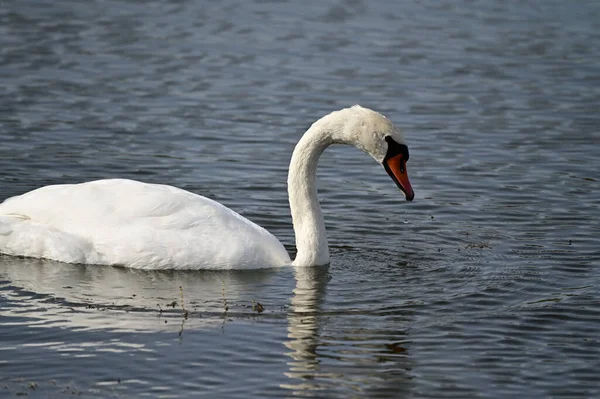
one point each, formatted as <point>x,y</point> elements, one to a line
<point>8,221</point>
<point>21,236</point>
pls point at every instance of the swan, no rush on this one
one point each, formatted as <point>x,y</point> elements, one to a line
<point>151,226</point>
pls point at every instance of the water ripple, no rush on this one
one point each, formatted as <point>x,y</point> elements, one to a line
<point>485,285</point>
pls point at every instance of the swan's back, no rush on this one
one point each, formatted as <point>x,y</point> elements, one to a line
<point>140,225</point>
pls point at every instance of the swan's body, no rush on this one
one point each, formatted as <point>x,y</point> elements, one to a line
<point>125,222</point>
<point>150,226</point>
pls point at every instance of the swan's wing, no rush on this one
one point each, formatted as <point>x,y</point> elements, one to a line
<point>136,224</point>
<point>115,200</point>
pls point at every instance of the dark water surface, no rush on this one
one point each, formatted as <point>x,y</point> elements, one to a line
<point>487,285</point>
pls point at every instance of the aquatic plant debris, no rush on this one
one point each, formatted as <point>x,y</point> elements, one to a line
<point>185,312</point>
<point>257,307</point>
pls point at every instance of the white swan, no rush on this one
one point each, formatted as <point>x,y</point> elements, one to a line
<point>151,226</point>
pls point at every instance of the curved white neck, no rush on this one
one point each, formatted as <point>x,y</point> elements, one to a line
<point>309,227</point>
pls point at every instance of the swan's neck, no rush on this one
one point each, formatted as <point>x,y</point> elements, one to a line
<point>309,227</point>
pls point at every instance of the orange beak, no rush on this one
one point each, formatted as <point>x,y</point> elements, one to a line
<point>396,168</point>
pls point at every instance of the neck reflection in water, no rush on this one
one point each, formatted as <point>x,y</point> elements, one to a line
<point>338,344</point>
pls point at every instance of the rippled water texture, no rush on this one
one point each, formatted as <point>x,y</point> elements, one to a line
<point>485,286</point>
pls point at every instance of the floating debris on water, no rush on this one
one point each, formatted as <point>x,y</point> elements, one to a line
<point>257,307</point>
<point>185,312</point>
<point>225,306</point>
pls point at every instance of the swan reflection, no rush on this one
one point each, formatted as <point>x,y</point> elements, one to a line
<point>345,348</point>
<point>335,337</point>
<point>303,321</point>
<point>55,294</point>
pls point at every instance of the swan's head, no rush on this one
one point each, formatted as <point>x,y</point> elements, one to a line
<point>374,134</point>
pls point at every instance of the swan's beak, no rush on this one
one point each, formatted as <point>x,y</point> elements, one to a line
<point>396,168</point>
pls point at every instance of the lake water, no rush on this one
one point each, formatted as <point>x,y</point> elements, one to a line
<point>486,285</point>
